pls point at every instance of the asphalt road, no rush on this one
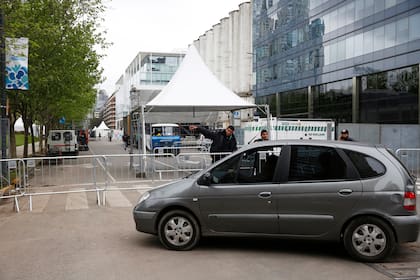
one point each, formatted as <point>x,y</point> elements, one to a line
<point>60,242</point>
<point>103,244</point>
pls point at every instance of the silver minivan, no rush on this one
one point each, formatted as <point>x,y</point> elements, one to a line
<point>357,194</point>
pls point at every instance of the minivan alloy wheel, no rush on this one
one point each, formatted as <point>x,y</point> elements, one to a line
<point>369,239</point>
<point>178,230</point>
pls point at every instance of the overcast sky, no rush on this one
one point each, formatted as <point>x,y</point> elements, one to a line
<point>155,26</point>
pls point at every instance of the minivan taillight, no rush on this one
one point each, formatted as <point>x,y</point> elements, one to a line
<point>410,201</point>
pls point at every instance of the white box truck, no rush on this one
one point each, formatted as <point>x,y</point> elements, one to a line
<point>290,129</point>
<point>62,142</point>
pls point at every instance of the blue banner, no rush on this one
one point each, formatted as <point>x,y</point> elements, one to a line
<point>17,64</point>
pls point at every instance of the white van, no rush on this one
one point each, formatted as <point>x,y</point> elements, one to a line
<point>61,142</point>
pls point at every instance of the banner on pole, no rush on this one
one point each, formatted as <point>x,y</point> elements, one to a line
<point>17,63</point>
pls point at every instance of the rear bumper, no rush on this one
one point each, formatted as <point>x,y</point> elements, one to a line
<point>145,221</point>
<point>406,228</point>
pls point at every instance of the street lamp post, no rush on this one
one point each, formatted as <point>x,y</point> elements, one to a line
<point>3,125</point>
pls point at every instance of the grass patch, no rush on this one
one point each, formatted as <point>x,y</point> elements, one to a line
<point>20,139</point>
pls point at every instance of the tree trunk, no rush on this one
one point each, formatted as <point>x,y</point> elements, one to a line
<point>31,127</point>
<point>41,139</point>
<point>25,140</point>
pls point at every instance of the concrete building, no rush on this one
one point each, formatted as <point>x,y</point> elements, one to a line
<point>226,49</point>
<point>108,114</point>
<point>356,61</point>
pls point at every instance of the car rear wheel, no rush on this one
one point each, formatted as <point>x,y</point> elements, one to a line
<point>178,230</point>
<point>369,239</point>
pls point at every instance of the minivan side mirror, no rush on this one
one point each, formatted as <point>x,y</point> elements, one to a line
<point>205,179</point>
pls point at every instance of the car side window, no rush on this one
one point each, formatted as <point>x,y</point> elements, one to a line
<point>225,173</point>
<point>253,166</point>
<point>309,163</point>
<point>258,165</point>
<point>367,166</point>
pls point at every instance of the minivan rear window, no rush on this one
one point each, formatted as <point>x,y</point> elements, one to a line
<point>367,166</point>
<point>410,174</point>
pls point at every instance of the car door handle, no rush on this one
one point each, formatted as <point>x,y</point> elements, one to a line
<point>264,195</point>
<point>345,191</point>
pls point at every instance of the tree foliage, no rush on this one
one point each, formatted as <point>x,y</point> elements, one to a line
<point>63,63</point>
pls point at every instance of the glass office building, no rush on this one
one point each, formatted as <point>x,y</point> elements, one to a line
<point>145,76</point>
<point>353,61</point>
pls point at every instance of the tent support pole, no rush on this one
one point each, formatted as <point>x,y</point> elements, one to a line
<point>143,130</point>
<point>143,142</point>
<point>265,108</point>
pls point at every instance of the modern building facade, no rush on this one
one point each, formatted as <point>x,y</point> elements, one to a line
<point>101,99</point>
<point>353,61</point>
<point>144,78</point>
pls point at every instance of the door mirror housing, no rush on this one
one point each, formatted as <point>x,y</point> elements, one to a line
<point>205,179</point>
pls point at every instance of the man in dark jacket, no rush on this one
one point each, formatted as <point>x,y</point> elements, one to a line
<point>344,136</point>
<point>223,140</point>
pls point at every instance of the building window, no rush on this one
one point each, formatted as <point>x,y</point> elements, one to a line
<point>393,34</point>
<point>333,101</point>
<point>294,103</point>
<point>271,101</point>
<point>390,97</point>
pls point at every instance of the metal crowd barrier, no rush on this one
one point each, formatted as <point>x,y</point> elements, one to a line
<point>410,157</point>
<point>30,177</point>
<point>64,175</point>
<point>40,176</point>
<point>12,180</point>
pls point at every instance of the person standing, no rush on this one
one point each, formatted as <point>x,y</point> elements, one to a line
<point>125,140</point>
<point>264,136</point>
<point>223,140</point>
<point>344,136</point>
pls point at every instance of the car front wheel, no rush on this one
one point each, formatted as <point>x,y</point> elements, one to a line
<point>178,230</point>
<point>369,239</point>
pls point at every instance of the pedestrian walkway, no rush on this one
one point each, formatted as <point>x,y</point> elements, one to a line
<point>19,150</point>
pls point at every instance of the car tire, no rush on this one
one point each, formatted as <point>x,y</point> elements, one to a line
<point>369,239</point>
<point>178,230</point>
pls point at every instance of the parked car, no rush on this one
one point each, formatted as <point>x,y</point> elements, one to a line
<point>357,194</point>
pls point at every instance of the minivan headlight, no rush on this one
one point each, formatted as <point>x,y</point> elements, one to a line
<point>145,196</point>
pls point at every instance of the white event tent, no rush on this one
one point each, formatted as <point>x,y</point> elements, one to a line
<point>194,88</point>
<point>102,129</point>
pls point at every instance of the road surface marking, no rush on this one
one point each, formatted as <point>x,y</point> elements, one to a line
<point>39,202</point>
<point>75,201</point>
<point>117,199</point>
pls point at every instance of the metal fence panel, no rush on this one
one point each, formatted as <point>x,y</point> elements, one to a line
<point>411,159</point>
<point>40,176</point>
<point>13,180</point>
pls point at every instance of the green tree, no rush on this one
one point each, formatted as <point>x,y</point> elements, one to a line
<point>63,63</point>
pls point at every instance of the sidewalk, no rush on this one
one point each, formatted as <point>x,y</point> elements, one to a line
<point>19,150</point>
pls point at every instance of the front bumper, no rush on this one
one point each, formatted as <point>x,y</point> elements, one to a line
<point>406,227</point>
<point>145,221</point>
